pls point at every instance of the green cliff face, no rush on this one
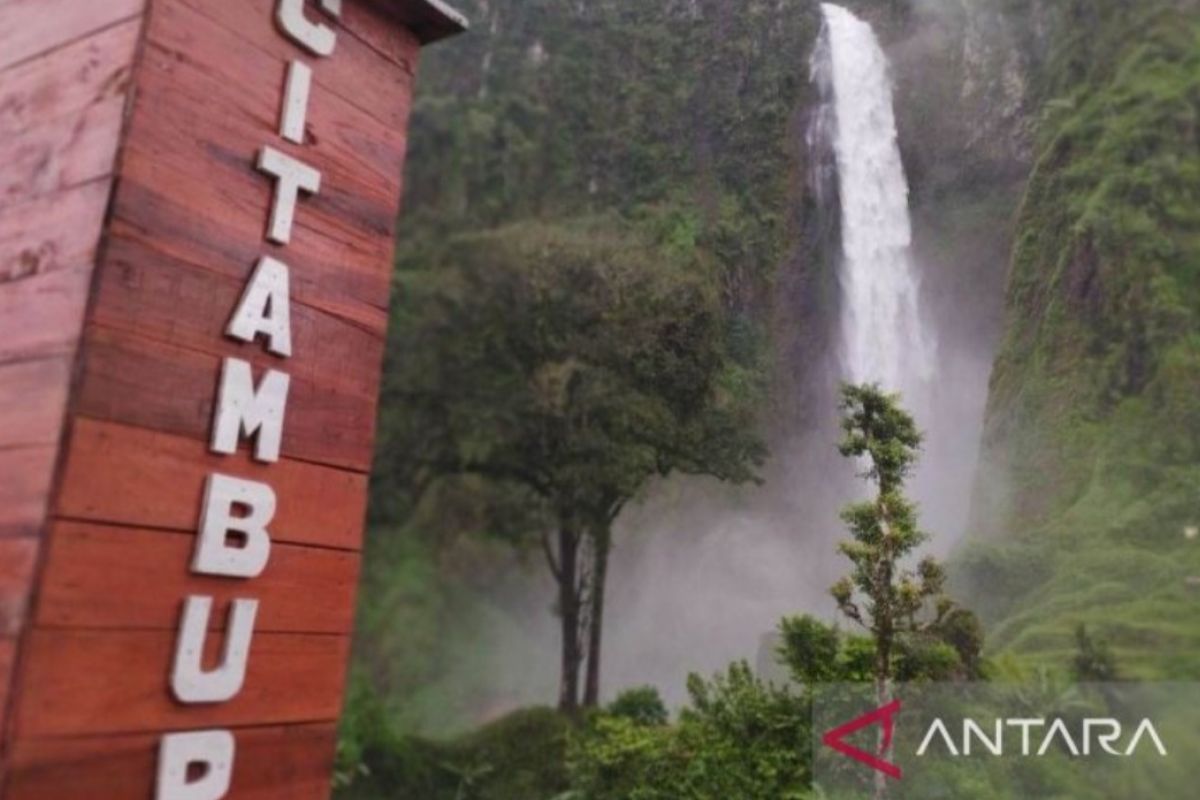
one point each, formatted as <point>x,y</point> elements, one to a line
<point>682,111</point>
<point>1088,494</point>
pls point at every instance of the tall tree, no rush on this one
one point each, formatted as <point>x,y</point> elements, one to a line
<point>879,594</point>
<point>579,361</point>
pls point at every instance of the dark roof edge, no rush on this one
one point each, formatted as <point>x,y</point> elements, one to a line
<point>431,20</point>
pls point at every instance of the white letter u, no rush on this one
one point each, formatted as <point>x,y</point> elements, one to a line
<point>190,682</point>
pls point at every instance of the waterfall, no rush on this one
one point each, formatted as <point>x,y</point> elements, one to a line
<point>883,337</point>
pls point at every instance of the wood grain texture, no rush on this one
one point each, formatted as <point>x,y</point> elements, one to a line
<point>26,475</point>
<point>89,569</point>
<point>144,292</point>
<point>131,476</point>
<point>85,73</point>
<point>188,67</point>
<point>78,683</point>
<point>136,381</point>
<point>272,763</point>
<point>56,231</point>
<point>182,233</point>
<point>355,71</point>
<point>8,652</point>
<point>65,71</point>
<point>378,24</point>
<point>75,148</point>
<point>194,225</point>
<point>329,254</point>
<point>31,27</point>
<point>178,106</point>
<point>42,315</point>
<point>17,558</point>
<point>33,400</point>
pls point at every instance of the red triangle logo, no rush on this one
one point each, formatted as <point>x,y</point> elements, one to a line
<point>885,717</point>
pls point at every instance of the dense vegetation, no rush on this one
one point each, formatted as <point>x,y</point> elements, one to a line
<point>597,135</point>
<point>740,736</point>
<point>603,201</point>
<point>565,367</point>
<point>1092,430</point>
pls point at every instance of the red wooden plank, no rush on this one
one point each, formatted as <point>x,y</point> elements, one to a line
<point>31,27</point>
<point>74,148</point>
<point>330,245</point>
<point>33,400</point>
<point>187,67</point>
<point>26,474</point>
<point>42,315</point>
<point>55,231</point>
<point>136,381</point>
<point>377,23</point>
<point>89,569</point>
<point>132,476</point>
<point>81,74</point>
<point>355,72</point>
<point>78,683</point>
<point>78,75</point>
<point>222,223</point>
<point>17,557</point>
<point>279,763</point>
<point>8,651</point>
<point>162,298</point>
<point>189,225</point>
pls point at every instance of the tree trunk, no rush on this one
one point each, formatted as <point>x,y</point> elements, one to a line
<point>883,696</point>
<point>602,542</point>
<point>568,606</point>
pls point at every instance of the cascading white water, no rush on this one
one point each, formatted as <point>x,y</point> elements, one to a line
<point>884,339</point>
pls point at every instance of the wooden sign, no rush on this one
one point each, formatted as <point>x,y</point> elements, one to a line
<point>197,210</point>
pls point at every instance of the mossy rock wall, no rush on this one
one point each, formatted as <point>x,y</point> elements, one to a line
<point>1086,506</point>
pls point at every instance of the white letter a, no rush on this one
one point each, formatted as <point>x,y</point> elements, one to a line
<point>265,308</point>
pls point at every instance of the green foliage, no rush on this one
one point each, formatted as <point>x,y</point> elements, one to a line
<point>812,650</point>
<point>437,638</point>
<point>1091,468</point>
<point>642,705</point>
<point>961,630</point>
<point>1093,660</point>
<point>363,726</point>
<point>565,365</point>
<point>874,426</point>
<point>884,532</point>
<point>657,133</point>
<point>519,757</point>
<point>817,653</point>
<point>739,738</point>
<point>553,110</point>
<point>574,361</point>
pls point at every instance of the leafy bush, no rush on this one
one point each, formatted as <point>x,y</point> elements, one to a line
<point>740,738</point>
<point>816,653</point>
<point>519,757</point>
<point>642,705</point>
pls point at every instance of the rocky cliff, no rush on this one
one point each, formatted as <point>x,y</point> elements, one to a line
<point>1086,503</point>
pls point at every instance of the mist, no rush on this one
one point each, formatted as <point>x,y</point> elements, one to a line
<point>702,572</point>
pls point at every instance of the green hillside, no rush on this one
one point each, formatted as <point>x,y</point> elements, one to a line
<point>1093,429</point>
